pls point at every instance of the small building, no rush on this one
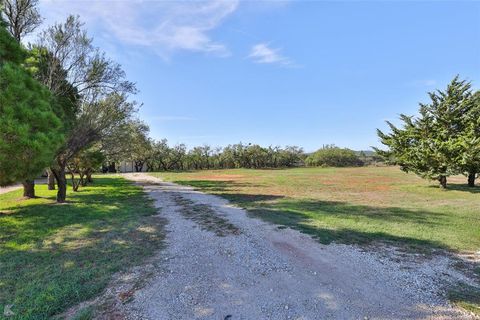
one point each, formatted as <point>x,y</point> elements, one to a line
<point>129,166</point>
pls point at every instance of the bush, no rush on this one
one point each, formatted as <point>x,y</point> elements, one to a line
<point>332,156</point>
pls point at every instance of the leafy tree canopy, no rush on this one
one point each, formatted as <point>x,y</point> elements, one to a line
<point>332,156</point>
<point>29,129</point>
<point>442,140</point>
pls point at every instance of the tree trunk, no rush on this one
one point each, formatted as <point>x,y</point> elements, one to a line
<point>149,167</point>
<point>471,179</point>
<point>443,182</point>
<point>111,168</point>
<point>83,182</point>
<point>50,179</point>
<point>138,166</point>
<point>89,176</point>
<point>61,183</point>
<point>29,188</point>
<point>75,184</point>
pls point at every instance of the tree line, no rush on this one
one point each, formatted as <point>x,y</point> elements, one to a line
<point>151,155</point>
<point>442,140</point>
<point>61,99</point>
<point>157,155</point>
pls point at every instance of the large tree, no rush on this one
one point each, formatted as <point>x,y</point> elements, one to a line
<point>22,17</point>
<point>140,144</point>
<point>30,132</point>
<point>65,94</point>
<point>430,145</point>
<point>98,84</point>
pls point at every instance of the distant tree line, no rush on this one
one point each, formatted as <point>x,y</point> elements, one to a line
<point>159,156</point>
<point>150,155</point>
<point>442,140</point>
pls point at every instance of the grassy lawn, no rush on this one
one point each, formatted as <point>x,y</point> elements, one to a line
<point>55,256</point>
<point>352,205</point>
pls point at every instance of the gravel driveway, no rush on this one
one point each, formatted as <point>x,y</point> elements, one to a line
<point>221,264</point>
<point>9,188</point>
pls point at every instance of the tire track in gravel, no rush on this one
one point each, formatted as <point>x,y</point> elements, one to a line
<point>221,264</point>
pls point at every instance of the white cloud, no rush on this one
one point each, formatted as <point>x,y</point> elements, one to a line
<point>262,53</point>
<point>164,26</point>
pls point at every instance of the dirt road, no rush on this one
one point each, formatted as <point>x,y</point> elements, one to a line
<point>9,188</point>
<point>221,264</point>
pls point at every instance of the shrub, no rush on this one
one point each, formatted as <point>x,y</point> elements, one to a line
<point>332,156</point>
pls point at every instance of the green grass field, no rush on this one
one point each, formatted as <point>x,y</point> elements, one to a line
<point>54,256</point>
<point>352,205</point>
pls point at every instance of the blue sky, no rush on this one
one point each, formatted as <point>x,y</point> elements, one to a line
<point>302,73</point>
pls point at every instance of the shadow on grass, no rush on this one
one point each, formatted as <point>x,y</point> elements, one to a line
<point>55,256</point>
<point>249,199</point>
<point>326,233</point>
<point>114,200</point>
<point>329,221</point>
<point>459,187</point>
<point>466,297</point>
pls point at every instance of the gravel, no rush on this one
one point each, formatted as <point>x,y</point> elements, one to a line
<point>262,272</point>
<point>9,188</point>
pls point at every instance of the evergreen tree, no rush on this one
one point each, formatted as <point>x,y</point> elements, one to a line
<point>432,144</point>
<point>29,129</point>
<point>468,142</point>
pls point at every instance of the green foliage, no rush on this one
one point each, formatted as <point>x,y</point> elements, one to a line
<point>10,49</point>
<point>91,159</point>
<point>332,156</point>
<point>47,70</point>
<point>165,158</point>
<point>90,90</point>
<point>29,129</point>
<point>442,140</point>
<point>467,143</point>
<point>138,147</point>
<point>85,164</point>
